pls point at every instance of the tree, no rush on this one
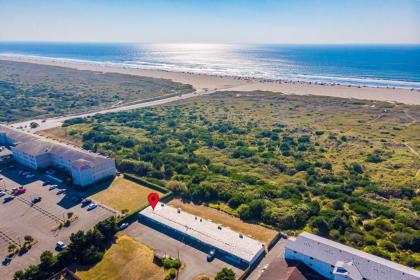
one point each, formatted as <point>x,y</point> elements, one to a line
<point>225,274</point>
<point>12,248</point>
<point>321,225</point>
<point>28,238</point>
<point>47,260</point>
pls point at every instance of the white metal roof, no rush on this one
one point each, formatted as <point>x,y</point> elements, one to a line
<point>206,231</point>
<point>370,266</point>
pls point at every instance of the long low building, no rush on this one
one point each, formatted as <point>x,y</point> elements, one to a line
<point>231,247</point>
<point>36,152</point>
<point>337,261</point>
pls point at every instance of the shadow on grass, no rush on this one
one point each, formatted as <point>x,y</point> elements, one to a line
<point>74,195</point>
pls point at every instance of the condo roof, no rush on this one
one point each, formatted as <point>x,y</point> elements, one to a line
<point>36,145</point>
<point>370,266</point>
<point>206,231</point>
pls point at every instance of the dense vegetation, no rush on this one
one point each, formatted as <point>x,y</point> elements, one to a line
<point>84,249</point>
<point>336,167</point>
<point>68,91</point>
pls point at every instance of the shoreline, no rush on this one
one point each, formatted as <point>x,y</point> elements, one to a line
<point>208,83</point>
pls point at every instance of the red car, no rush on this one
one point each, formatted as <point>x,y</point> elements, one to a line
<point>19,191</point>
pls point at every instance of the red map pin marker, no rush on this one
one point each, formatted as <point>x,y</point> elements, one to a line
<point>153,199</point>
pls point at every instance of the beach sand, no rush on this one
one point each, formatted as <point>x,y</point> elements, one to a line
<point>203,83</point>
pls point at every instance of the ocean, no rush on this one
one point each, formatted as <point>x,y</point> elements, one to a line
<point>359,65</point>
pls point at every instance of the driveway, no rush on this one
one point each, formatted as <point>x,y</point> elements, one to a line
<point>195,261</point>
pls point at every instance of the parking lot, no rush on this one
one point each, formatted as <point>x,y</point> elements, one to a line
<point>41,220</point>
<point>195,261</point>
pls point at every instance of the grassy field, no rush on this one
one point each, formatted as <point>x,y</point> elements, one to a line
<point>127,259</point>
<point>341,168</point>
<point>124,195</point>
<point>61,134</point>
<point>68,91</point>
<point>255,231</point>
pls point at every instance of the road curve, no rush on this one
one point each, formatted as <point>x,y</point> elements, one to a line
<point>58,121</point>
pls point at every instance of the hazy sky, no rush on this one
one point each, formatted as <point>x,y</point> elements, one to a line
<point>212,21</point>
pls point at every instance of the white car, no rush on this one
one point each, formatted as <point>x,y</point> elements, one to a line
<point>53,187</point>
<point>60,245</point>
<point>2,193</point>
<point>92,206</point>
<point>124,226</point>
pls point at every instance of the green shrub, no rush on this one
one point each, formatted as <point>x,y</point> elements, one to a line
<point>169,263</point>
<point>171,274</point>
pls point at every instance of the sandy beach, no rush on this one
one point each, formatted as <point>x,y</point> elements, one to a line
<point>203,83</point>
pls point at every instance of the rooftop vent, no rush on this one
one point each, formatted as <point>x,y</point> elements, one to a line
<point>219,227</point>
<point>178,211</point>
<point>241,236</point>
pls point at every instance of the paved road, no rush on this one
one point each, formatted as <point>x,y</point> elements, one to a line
<point>58,121</point>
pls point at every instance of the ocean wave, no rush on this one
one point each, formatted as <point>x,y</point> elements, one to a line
<point>244,70</point>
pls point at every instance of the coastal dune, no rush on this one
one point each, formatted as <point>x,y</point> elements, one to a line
<point>208,83</point>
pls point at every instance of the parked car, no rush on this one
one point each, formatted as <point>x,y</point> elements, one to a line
<point>61,191</point>
<point>2,193</point>
<point>124,226</point>
<point>29,176</point>
<point>19,191</point>
<point>46,183</point>
<point>8,198</point>
<point>86,202</point>
<point>6,261</point>
<point>92,206</point>
<point>211,255</point>
<point>53,187</point>
<point>36,199</point>
<point>1,178</point>
<point>60,245</point>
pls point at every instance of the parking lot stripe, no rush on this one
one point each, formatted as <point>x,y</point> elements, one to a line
<point>6,238</point>
<point>43,211</point>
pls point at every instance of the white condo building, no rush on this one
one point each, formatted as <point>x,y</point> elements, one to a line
<point>337,261</point>
<point>232,247</point>
<point>35,152</point>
